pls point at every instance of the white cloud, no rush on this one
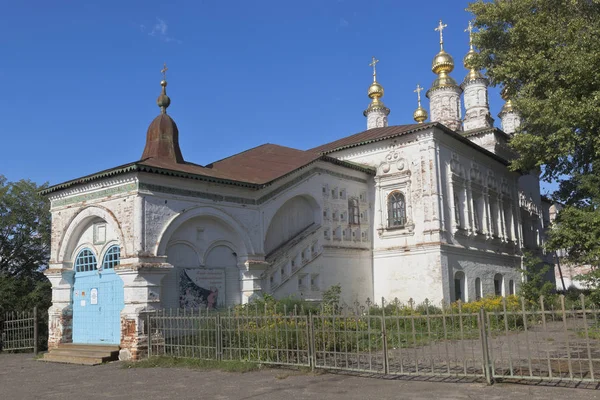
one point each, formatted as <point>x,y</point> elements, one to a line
<point>160,31</point>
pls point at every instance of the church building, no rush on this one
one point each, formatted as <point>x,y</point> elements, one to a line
<point>428,210</point>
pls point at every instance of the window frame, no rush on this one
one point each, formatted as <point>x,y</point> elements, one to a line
<point>91,263</point>
<point>396,197</point>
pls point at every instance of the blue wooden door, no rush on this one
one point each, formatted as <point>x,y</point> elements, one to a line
<point>97,303</point>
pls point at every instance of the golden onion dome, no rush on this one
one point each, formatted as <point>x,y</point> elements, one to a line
<point>420,115</point>
<point>442,62</point>
<point>469,58</point>
<point>508,107</point>
<point>375,90</point>
<point>468,62</point>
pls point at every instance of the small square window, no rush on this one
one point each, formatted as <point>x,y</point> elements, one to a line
<point>271,279</point>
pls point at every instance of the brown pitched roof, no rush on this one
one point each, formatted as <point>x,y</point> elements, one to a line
<point>255,168</point>
<point>371,135</point>
<point>263,163</point>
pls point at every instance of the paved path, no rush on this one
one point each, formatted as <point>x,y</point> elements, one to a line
<point>21,377</point>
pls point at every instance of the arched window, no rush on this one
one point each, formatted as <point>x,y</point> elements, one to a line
<point>85,261</point>
<point>477,288</point>
<point>112,257</point>
<point>353,213</point>
<point>498,283</point>
<point>511,287</point>
<point>459,286</point>
<point>396,210</point>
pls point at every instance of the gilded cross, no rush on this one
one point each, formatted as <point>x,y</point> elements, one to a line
<point>470,30</point>
<point>440,28</point>
<point>164,71</point>
<point>418,92</point>
<point>373,64</point>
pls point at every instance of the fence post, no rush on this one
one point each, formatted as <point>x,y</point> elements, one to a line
<point>311,343</point>
<point>35,331</point>
<point>149,333</point>
<point>219,338</point>
<point>386,364</point>
<point>485,347</point>
<point>587,336</point>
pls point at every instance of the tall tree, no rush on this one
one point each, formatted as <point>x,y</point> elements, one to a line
<point>24,245</point>
<point>545,55</point>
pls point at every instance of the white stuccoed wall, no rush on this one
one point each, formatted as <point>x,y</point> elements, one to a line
<point>420,261</point>
<point>345,259</point>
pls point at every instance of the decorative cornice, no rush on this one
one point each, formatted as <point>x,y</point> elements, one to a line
<point>99,194</point>
<point>379,139</point>
<point>121,189</point>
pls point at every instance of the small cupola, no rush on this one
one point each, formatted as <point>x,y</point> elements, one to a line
<point>162,139</point>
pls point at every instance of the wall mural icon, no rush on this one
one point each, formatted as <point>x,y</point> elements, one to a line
<point>201,288</point>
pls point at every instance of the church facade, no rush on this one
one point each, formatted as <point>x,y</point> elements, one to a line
<point>419,211</point>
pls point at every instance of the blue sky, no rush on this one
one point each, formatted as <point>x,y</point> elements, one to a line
<point>80,79</point>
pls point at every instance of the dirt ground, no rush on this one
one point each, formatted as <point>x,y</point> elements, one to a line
<point>22,377</point>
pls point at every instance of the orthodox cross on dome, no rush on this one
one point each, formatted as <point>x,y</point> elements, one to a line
<point>374,64</point>
<point>440,28</point>
<point>164,71</point>
<point>470,30</point>
<point>418,91</point>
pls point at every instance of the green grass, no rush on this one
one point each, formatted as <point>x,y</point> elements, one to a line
<point>593,333</point>
<point>193,363</point>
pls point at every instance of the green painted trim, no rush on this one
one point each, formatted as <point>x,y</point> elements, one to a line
<point>102,174</point>
<point>105,193</point>
<point>193,193</point>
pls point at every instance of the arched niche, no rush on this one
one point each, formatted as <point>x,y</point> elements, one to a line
<point>294,216</point>
<point>94,225</point>
<point>194,246</point>
<point>221,256</point>
<point>243,245</point>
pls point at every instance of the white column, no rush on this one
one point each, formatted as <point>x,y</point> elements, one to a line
<point>60,314</point>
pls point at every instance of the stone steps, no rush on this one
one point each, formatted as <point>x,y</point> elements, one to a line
<point>83,354</point>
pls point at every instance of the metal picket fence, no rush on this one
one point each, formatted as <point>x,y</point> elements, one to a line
<point>19,331</point>
<point>514,339</point>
